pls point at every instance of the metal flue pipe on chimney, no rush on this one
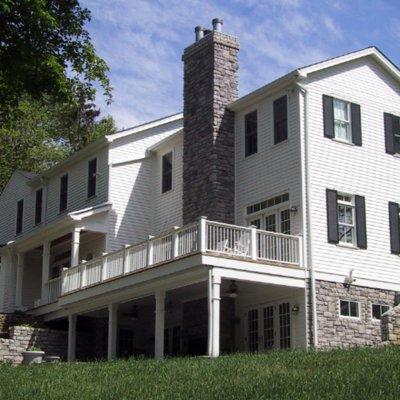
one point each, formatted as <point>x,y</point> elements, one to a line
<point>217,24</point>
<point>199,32</point>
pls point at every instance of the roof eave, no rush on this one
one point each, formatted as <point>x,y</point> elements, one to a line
<point>265,90</point>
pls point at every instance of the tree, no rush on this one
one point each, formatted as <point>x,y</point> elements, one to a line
<point>39,134</point>
<point>45,51</point>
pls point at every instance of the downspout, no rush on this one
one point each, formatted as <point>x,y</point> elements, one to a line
<point>306,212</point>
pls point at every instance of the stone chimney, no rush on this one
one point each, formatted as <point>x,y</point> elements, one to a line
<point>210,84</point>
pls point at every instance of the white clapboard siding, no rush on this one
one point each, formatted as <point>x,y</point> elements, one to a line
<point>274,169</point>
<point>367,171</point>
<point>132,186</point>
<point>77,186</point>
<point>167,207</point>
<point>16,189</point>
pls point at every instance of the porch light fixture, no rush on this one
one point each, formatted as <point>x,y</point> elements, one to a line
<point>293,209</point>
<point>295,308</point>
<point>233,290</point>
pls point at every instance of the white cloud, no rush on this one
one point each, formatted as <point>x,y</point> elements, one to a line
<point>142,41</point>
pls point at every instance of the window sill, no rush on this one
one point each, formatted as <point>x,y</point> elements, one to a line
<point>348,246</point>
<point>350,318</point>
<point>343,142</point>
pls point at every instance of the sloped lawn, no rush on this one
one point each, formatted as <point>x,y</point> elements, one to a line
<point>340,374</point>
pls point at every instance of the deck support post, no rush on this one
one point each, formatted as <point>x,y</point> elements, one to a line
<point>45,272</point>
<point>159,325</point>
<point>214,315</point>
<point>20,276</point>
<point>71,356</point>
<point>112,331</point>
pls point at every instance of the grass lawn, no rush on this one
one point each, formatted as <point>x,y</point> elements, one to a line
<point>339,374</point>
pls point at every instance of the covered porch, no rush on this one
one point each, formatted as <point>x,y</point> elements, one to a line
<point>40,258</point>
<point>209,311</point>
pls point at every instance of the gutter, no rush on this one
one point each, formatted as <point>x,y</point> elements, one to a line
<point>306,212</point>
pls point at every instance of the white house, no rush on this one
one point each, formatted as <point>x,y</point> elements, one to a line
<point>268,221</point>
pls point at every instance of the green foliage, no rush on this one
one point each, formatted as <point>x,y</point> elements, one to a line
<point>34,348</point>
<point>38,134</point>
<point>45,51</point>
<point>341,374</point>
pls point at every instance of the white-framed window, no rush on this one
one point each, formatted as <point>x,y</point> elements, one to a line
<point>346,219</point>
<point>342,120</point>
<point>274,221</point>
<point>349,308</point>
<point>378,310</point>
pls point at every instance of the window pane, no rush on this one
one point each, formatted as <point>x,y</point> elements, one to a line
<point>280,119</point>
<point>353,309</point>
<point>251,133</point>
<point>256,223</point>
<point>376,311</point>
<point>270,224</point>
<point>344,308</point>
<point>384,309</point>
<point>285,222</point>
<point>341,213</point>
<point>167,172</point>
<point>340,110</point>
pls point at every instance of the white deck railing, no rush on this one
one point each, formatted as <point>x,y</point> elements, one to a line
<point>204,236</point>
<point>53,290</point>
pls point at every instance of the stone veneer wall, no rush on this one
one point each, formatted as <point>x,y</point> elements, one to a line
<point>390,327</point>
<point>336,331</point>
<point>52,342</point>
<point>210,84</point>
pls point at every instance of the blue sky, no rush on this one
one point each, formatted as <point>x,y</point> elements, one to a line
<point>142,42</point>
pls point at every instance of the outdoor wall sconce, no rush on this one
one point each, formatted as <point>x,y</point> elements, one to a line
<point>293,209</point>
<point>295,308</point>
<point>232,291</point>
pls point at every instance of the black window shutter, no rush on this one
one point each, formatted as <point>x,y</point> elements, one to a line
<point>63,193</point>
<point>394,228</point>
<point>356,124</point>
<point>361,225</point>
<point>329,131</point>
<point>332,215</point>
<point>389,139</point>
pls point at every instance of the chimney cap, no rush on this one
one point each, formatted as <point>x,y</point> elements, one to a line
<point>216,20</point>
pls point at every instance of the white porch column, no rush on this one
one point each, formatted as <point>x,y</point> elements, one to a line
<point>76,238</point>
<point>159,325</point>
<point>18,286</point>
<point>45,271</point>
<point>112,331</point>
<point>214,315</point>
<point>72,318</point>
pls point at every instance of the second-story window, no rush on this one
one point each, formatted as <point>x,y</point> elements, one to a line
<point>38,206</point>
<point>341,118</point>
<point>392,133</point>
<point>250,133</point>
<point>20,216</point>
<point>166,184</point>
<point>280,120</point>
<point>63,192</point>
<point>92,174</point>
<point>346,219</point>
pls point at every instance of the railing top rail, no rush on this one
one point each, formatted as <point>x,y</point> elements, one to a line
<point>54,279</point>
<point>225,225</point>
<point>278,234</point>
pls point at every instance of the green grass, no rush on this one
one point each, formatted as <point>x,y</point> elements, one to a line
<point>339,374</point>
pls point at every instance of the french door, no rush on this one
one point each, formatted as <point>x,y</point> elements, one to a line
<point>268,327</point>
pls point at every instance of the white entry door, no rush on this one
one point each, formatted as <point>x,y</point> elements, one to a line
<point>268,327</point>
